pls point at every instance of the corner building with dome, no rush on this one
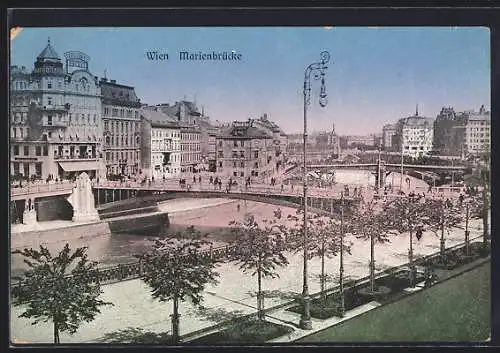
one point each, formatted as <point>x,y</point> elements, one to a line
<point>55,118</point>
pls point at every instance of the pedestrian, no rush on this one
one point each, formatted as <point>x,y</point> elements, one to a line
<point>220,184</point>
<point>199,179</point>
<point>194,179</point>
<point>211,180</point>
<point>238,207</point>
<point>419,233</point>
<point>461,199</point>
<point>282,187</point>
<point>292,187</point>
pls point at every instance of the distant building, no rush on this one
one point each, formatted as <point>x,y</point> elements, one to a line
<point>327,142</point>
<point>280,139</point>
<point>388,133</point>
<point>56,128</point>
<point>477,131</point>
<point>122,129</point>
<point>245,151</point>
<point>415,135</point>
<point>160,144</point>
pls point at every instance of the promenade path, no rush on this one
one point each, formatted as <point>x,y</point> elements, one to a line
<point>234,294</point>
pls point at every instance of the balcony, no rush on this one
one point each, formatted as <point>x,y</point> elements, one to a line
<point>74,158</point>
<point>54,107</point>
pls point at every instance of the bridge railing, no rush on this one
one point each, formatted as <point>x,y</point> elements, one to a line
<point>41,188</point>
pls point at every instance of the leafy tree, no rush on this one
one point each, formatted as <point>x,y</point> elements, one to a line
<point>259,250</point>
<point>368,221</point>
<point>177,269</point>
<point>409,215</point>
<point>445,216</point>
<point>324,239</point>
<point>59,288</point>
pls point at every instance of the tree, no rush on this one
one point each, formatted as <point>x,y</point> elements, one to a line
<point>324,240</point>
<point>408,215</point>
<point>177,269</point>
<point>61,289</point>
<point>259,250</point>
<point>445,216</point>
<point>369,222</point>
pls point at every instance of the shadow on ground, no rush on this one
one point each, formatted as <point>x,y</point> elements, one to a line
<point>137,336</point>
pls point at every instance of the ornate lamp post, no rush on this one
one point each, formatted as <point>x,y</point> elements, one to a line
<point>318,69</point>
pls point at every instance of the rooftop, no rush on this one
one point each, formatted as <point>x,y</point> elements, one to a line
<point>48,53</point>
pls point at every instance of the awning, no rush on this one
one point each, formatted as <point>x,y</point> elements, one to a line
<point>77,166</point>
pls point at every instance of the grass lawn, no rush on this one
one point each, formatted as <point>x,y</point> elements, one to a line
<point>247,331</point>
<point>458,309</point>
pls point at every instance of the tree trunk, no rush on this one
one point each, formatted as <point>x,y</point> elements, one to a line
<point>175,321</point>
<point>467,242</point>
<point>56,333</point>
<point>323,279</point>
<point>260,304</point>
<point>485,216</point>
<point>372,263</point>
<point>410,256</point>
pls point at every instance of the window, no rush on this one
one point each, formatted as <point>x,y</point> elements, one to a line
<point>256,155</point>
<point>256,164</point>
<point>220,143</point>
<point>235,174</point>
<point>16,150</point>
<point>38,151</point>
<point>242,154</point>
<point>115,111</point>
<point>49,85</point>
<point>121,114</point>
<point>14,132</point>
<point>235,143</point>
<point>106,125</point>
<point>242,143</point>
<point>49,100</point>
<point>242,164</point>
<point>220,164</point>
<point>45,150</point>
<point>38,169</point>
<point>26,150</point>
<point>16,168</point>
<point>242,174</point>
<point>221,154</point>
<point>95,118</point>
<point>234,164</point>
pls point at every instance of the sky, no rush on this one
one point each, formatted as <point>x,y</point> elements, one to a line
<point>375,75</point>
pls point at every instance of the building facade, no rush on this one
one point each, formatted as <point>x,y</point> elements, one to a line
<point>476,132</point>
<point>388,133</point>
<point>244,151</point>
<point>121,128</point>
<point>56,126</point>
<point>160,145</point>
<point>415,135</point>
<point>190,149</point>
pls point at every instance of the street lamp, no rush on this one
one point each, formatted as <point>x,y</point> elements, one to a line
<point>318,69</point>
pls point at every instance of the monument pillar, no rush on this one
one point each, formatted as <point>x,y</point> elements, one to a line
<point>29,214</point>
<point>82,200</point>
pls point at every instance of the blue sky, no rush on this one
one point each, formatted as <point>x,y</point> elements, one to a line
<point>378,75</point>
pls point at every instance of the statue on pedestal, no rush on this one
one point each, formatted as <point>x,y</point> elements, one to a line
<point>82,200</point>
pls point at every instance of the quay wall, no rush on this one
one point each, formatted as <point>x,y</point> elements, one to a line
<point>145,224</point>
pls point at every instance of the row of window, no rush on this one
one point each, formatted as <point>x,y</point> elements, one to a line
<point>122,113</point>
<point>26,168</point>
<point>190,147</point>
<point>123,126</point>
<point>20,132</point>
<point>192,157</point>
<point>241,154</point>
<point>122,140</point>
<point>122,156</point>
<point>39,150</point>
<point>190,137</point>
<point>163,133</point>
